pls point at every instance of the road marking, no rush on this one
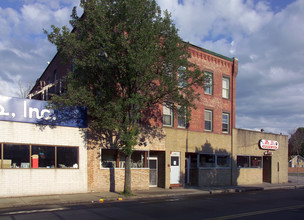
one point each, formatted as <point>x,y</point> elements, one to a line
<point>172,200</point>
<point>34,211</point>
<point>246,214</point>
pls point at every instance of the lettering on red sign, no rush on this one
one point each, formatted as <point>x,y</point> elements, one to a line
<point>268,144</point>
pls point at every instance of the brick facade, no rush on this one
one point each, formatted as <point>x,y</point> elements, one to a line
<point>175,140</point>
<point>191,142</point>
<point>112,179</point>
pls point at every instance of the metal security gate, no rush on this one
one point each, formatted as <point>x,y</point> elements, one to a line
<point>153,171</point>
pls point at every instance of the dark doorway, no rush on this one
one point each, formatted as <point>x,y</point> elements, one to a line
<point>267,169</point>
<point>191,170</point>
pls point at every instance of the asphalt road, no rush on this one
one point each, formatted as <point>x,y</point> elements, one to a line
<point>280,204</point>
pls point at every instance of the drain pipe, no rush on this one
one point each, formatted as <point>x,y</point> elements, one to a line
<point>233,78</point>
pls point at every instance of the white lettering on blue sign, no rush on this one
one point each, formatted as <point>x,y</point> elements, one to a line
<point>34,111</point>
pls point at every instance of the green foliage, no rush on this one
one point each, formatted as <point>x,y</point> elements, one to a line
<point>126,56</point>
<point>296,142</point>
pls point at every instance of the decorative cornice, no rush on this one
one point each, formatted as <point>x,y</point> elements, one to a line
<point>210,57</point>
<point>211,52</point>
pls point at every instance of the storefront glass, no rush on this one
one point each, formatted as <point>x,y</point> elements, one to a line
<point>36,156</point>
<point>16,156</point>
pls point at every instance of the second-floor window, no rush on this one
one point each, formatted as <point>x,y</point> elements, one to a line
<point>208,120</point>
<point>225,124</point>
<point>181,117</point>
<point>167,115</point>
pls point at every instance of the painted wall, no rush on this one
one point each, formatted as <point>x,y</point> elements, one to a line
<point>181,140</point>
<point>43,181</point>
<point>246,143</point>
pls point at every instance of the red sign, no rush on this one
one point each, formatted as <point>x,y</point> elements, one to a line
<point>269,145</point>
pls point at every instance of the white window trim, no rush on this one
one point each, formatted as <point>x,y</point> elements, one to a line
<point>226,89</point>
<point>206,73</point>
<point>228,127</point>
<point>208,110</point>
<point>181,116</point>
<point>181,83</point>
<point>166,105</point>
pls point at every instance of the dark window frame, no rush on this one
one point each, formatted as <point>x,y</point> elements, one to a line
<point>118,159</point>
<point>29,164</point>
<point>215,161</point>
<point>249,162</point>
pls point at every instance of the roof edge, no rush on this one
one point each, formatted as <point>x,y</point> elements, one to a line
<point>211,52</point>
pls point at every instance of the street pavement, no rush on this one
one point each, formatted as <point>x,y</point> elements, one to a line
<point>104,197</point>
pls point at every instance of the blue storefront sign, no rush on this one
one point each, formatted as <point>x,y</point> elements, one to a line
<point>34,111</point>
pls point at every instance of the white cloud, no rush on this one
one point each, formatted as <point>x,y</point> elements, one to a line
<point>269,45</point>
<point>24,49</point>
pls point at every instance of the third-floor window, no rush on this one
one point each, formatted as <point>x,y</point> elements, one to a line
<point>226,87</point>
<point>208,83</point>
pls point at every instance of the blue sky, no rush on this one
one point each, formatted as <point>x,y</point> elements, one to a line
<point>265,36</point>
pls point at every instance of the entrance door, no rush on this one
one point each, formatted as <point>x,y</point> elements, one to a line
<point>267,169</point>
<point>175,168</point>
<point>187,169</point>
<point>153,171</point>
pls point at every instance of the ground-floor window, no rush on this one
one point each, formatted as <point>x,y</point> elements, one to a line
<point>113,158</point>
<point>222,161</point>
<point>207,160</point>
<point>214,160</point>
<point>38,156</point>
<point>46,155</point>
<point>249,162</point>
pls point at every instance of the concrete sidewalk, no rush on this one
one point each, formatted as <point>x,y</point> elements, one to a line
<point>94,197</point>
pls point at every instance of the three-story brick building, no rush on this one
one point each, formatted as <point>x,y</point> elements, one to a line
<point>206,152</point>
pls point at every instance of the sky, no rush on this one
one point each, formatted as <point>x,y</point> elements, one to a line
<point>265,35</point>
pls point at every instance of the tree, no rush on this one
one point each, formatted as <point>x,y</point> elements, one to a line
<point>24,89</point>
<point>296,142</point>
<point>128,60</point>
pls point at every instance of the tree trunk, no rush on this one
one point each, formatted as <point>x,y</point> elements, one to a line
<point>127,186</point>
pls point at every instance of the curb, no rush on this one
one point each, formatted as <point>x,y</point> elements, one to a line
<point>96,199</point>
